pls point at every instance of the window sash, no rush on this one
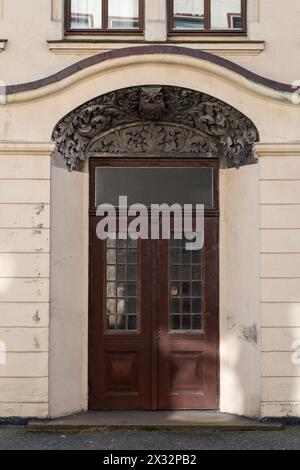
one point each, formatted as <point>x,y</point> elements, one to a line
<point>207,22</point>
<point>105,16</point>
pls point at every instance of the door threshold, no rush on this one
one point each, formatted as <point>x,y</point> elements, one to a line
<point>152,420</point>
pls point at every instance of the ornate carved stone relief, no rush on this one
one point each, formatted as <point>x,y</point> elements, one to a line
<point>156,120</point>
<point>154,139</point>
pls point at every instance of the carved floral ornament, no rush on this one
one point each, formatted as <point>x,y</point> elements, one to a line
<point>158,120</point>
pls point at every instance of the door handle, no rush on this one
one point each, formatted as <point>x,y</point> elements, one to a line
<point>159,333</point>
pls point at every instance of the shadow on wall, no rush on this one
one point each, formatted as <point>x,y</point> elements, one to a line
<point>238,394</point>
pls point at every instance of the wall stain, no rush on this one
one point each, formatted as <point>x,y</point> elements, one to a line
<point>36,317</point>
<point>246,333</point>
<point>39,209</point>
<point>249,333</point>
<point>231,324</point>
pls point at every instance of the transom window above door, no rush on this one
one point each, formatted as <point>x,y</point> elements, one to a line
<point>207,16</point>
<point>104,16</point>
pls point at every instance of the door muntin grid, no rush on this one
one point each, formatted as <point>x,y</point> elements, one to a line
<point>186,285</point>
<point>122,309</point>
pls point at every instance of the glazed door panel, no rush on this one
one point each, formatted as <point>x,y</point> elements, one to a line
<point>188,323</point>
<point>120,324</point>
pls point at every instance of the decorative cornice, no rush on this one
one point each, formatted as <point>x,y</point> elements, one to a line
<point>134,52</point>
<point>96,46</point>
<point>156,119</point>
<point>26,148</point>
<point>228,48</point>
<point>277,149</point>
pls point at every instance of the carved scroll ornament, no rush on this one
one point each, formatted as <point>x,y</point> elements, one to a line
<point>156,120</point>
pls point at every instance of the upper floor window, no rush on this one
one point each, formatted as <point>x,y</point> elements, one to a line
<point>213,16</point>
<point>97,16</point>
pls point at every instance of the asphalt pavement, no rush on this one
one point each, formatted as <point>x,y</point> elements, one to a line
<point>20,438</point>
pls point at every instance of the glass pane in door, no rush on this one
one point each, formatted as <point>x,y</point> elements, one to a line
<point>122,296</point>
<point>185,287</point>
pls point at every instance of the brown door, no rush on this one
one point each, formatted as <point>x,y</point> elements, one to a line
<point>120,323</point>
<point>153,328</point>
<point>188,323</point>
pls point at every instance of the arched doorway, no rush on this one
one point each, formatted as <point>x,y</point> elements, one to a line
<point>154,345</point>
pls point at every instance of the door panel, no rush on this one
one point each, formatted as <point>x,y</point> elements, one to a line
<point>188,323</point>
<point>120,324</point>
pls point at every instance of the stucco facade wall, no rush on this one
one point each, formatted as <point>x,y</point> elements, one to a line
<point>240,356</point>
<point>24,277</point>
<point>253,279</point>
<point>29,25</point>
<point>280,280</point>
<point>68,365</point>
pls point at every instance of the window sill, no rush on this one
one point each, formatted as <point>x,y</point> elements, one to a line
<point>79,46</point>
<point>219,46</point>
<point>222,46</point>
<point>2,44</point>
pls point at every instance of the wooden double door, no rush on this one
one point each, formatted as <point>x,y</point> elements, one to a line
<point>153,321</point>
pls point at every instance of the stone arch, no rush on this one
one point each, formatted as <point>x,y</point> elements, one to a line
<point>156,120</point>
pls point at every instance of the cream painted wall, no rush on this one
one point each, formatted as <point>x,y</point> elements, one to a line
<point>280,279</point>
<point>24,278</point>
<point>68,290</point>
<point>28,25</point>
<point>240,291</point>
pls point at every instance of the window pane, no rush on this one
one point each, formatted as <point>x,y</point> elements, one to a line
<point>197,322</point>
<point>132,273</point>
<point>172,185</point>
<point>111,322</point>
<point>86,14</point>
<point>188,14</point>
<point>122,307</point>
<point>111,273</point>
<point>132,306</point>
<point>175,322</point>
<point>122,286</point>
<point>122,273</point>
<point>226,14</point>
<point>186,322</point>
<point>123,14</point>
<point>184,293</point>
<point>132,323</point>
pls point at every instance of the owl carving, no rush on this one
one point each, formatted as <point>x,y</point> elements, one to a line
<point>152,104</point>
